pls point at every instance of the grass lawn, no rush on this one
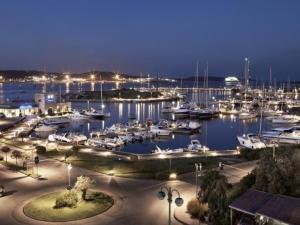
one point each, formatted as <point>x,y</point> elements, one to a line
<point>42,208</point>
<point>152,169</point>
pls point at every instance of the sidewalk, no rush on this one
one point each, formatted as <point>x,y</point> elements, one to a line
<point>183,217</point>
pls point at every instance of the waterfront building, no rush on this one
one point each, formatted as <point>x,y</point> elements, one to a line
<point>50,103</point>
<point>18,110</point>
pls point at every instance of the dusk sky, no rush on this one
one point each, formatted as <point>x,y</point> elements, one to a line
<point>165,37</point>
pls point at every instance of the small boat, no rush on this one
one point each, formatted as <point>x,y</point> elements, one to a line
<point>183,110</point>
<point>289,135</point>
<point>188,126</point>
<point>245,115</point>
<point>286,119</point>
<point>56,121</point>
<point>251,141</point>
<point>196,146</point>
<point>158,150</point>
<point>107,143</point>
<point>159,131</point>
<point>68,138</point>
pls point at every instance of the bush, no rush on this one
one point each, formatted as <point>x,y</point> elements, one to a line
<point>163,175</point>
<point>197,209</point>
<point>250,154</point>
<point>1,158</point>
<point>67,199</point>
<point>40,149</point>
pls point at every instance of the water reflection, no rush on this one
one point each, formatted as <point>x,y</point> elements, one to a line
<point>67,87</point>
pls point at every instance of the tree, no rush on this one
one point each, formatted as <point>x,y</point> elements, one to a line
<point>83,183</point>
<point>5,150</point>
<point>22,135</point>
<point>16,155</point>
<point>67,155</point>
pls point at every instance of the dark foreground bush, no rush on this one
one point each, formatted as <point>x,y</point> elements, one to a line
<point>67,199</point>
<point>40,149</point>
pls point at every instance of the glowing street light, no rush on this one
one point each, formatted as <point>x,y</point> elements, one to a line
<point>67,77</point>
<point>69,174</point>
<point>92,76</point>
<point>198,167</point>
<point>169,192</point>
<point>117,76</point>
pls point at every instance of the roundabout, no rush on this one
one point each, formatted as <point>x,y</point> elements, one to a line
<point>44,208</point>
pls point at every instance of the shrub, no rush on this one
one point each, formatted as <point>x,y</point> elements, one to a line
<point>197,209</point>
<point>1,158</point>
<point>40,149</point>
<point>250,154</point>
<point>67,199</point>
<point>163,175</point>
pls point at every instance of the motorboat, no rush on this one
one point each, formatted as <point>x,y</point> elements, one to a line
<point>44,130</point>
<point>196,146</point>
<point>190,126</point>
<point>159,131</point>
<point>56,121</point>
<point>158,150</point>
<point>245,115</point>
<point>76,115</point>
<point>68,137</point>
<point>107,143</point>
<point>96,114</point>
<point>183,110</point>
<point>289,135</point>
<point>251,141</point>
<point>286,119</point>
<point>202,113</point>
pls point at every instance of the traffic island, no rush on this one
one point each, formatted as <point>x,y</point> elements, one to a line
<point>50,208</point>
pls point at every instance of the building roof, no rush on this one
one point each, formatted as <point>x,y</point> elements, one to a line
<point>278,207</point>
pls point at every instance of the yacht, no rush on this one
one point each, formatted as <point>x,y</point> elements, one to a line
<point>286,119</point>
<point>289,135</point>
<point>96,114</point>
<point>251,141</point>
<point>196,146</point>
<point>183,110</point>
<point>202,113</point>
<point>68,138</point>
<point>159,131</point>
<point>245,115</point>
<point>108,143</point>
<point>158,150</point>
<point>76,115</point>
<point>190,126</point>
<point>56,121</point>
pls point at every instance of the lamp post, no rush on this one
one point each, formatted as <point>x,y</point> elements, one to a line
<point>169,192</point>
<point>198,169</point>
<point>69,174</point>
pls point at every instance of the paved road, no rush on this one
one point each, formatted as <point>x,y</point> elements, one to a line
<point>136,201</point>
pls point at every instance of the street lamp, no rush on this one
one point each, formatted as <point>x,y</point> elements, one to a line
<point>169,192</point>
<point>69,174</point>
<point>198,169</point>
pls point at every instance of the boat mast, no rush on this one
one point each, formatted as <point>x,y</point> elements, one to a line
<point>206,80</point>
<point>101,91</point>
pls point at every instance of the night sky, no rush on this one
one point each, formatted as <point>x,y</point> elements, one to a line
<point>165,37</point>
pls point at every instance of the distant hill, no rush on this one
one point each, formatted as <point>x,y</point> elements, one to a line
<point>210,78</point>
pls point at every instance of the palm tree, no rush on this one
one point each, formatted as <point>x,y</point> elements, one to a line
<point>15,155</point>
<point>5,150</point>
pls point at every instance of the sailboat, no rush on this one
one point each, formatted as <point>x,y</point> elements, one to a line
<point>97,114</point>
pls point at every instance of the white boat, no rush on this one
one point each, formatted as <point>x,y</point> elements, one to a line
<point>231,79</point>
<point>158,150</point>
<point>44,130</point>
<point>96,114</point>
<point>159,131</point>
<point>286,119</point>
<point>108,143</point>
<point>56,120</point>
<point>75,115</point>
<point>245,115</point>
<point>183,110</point>
<point>190,126</point>
<point>251,141</point>
<point>68,138</point>
<point>196,146</point>
<point>289,135</point>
